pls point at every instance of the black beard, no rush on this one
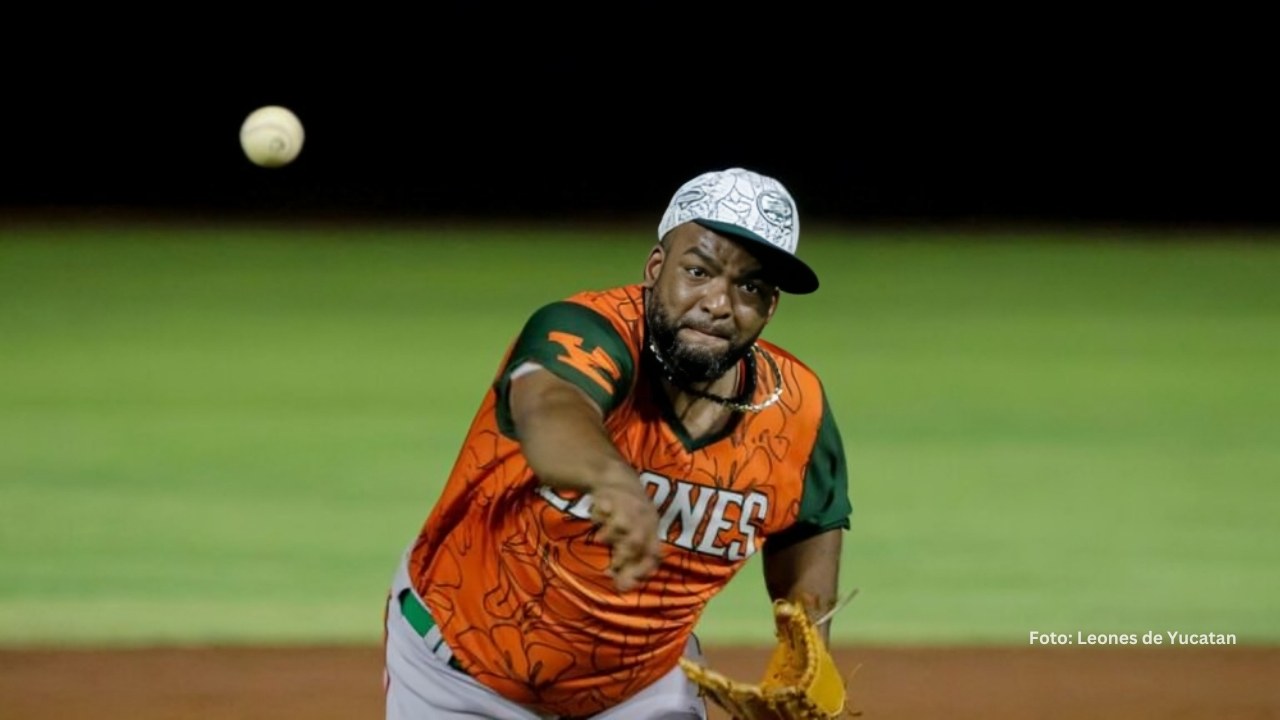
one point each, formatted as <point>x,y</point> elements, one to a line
<point>687,364</point>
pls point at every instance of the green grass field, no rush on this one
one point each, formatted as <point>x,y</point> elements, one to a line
<point>227,435</point>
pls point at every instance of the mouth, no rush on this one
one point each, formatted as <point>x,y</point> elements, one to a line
<point>703,335</point>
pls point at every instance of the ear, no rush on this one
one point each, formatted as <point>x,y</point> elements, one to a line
<point>773,305</point>
<point>653,266</point>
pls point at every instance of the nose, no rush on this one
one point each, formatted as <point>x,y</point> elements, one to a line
<point>715,299</point>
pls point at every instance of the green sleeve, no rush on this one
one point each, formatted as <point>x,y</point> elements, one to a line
<point>576,343</point>
<point>824,504</point>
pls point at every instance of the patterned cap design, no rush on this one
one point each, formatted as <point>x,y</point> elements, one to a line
<point>750,206</point>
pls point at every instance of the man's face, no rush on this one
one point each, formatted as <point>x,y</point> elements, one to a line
<point>708,302</point>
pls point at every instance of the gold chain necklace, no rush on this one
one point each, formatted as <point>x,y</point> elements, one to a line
<point>730,403</point>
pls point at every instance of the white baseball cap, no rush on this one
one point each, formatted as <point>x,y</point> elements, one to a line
<point>747,206</point>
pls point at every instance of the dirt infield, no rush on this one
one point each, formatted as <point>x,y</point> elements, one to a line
<point>891,684</point>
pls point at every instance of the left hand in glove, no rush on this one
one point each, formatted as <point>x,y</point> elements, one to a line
<point>800,683</point>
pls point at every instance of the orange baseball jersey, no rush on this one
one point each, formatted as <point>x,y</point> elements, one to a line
<point>511,569</point>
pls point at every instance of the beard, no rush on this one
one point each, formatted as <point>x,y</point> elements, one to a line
<point>686,363</point>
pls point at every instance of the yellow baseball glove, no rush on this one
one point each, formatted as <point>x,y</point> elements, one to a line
<point>800,683</point>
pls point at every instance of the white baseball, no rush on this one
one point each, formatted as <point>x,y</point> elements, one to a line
<point>272,136</point>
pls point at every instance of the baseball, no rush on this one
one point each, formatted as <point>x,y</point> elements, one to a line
<point>271,136</point>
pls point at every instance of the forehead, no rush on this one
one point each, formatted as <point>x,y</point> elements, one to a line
<point>692,238</point>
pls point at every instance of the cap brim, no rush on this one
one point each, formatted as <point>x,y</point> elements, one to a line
<point>788,272</point>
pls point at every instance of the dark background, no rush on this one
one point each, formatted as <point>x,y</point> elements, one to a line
<point>575,135</point>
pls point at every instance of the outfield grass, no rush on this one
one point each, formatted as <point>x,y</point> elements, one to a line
<point>227,435</point>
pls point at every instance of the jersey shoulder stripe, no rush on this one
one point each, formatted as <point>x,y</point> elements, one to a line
<point>578,342</point>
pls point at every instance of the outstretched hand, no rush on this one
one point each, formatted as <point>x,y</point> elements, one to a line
<point>628,522</point>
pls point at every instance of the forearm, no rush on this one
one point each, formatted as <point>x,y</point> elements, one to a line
<point>807,571</point>
<point>562,437</point>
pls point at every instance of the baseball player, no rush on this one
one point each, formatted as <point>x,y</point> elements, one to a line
<point>636,446</point>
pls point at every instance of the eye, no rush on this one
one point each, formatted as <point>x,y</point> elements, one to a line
<point>752,288</point>
<point>695,271</point>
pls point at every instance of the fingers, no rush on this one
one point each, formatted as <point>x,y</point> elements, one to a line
<point>634,548</point>
<point>628,523</point>
<point>612,531</point>
<point>627,575</point>
<point>635,555</point>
